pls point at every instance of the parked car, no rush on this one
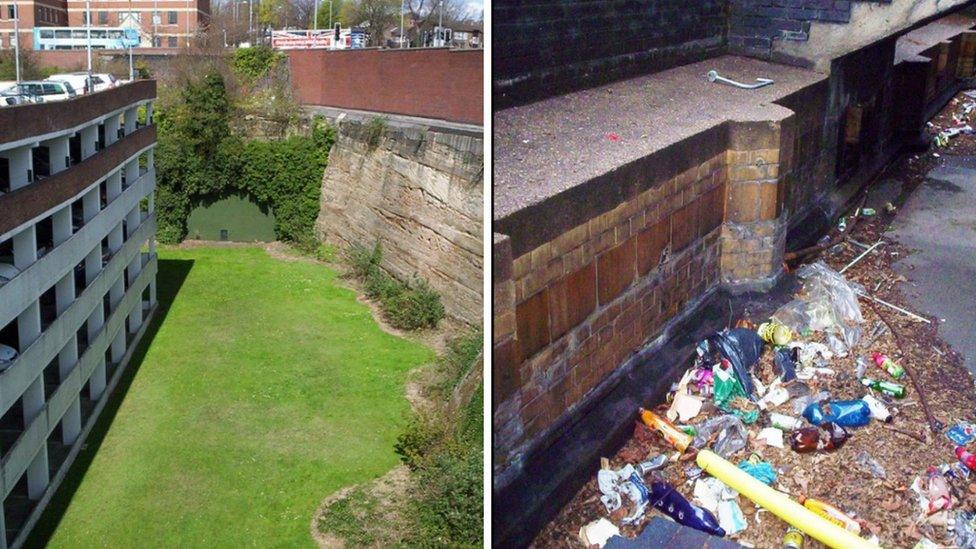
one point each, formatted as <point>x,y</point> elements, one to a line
<point>7,272</point>
<point>79,80</point>
<point>46,90</point>
<point>15,95</point>
<point>7,356</point>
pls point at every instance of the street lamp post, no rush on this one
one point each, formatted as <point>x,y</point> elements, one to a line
<point>88,23</point>
<point>132,72</point>
<point>16,43</point>
<point>316,24</point>
<point>401,22</point>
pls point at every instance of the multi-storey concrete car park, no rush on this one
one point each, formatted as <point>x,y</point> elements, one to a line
<point>77,224</point>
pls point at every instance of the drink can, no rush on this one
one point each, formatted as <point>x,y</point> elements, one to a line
<point>793,539</point>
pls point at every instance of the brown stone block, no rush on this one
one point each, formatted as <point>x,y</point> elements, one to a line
<point>742,203</point>
<point>768,201</point>
<point>684,226</point>
<point>712,210</point>
<point>650,244</point>
<point>504,370</point>
<point>572,299</point>
<point>616,270</point>
<point>750,136</point>
<point>532,319</point>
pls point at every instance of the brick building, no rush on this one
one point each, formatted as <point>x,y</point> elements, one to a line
<point>176,21</point>
<point>77,245</point>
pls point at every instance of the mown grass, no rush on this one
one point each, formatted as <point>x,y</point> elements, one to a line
<point>266,387</point>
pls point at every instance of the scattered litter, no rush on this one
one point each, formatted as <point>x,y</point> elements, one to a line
<point>667,500</point>
<point>741,347</point>
<point>961,433</point>
<point>654,464</point>
<point>832,302</point>
<point>771,436</point>
<point>801,403</point>
<point>846,413</point>
<point>598,532</point>
<point>827,438</point>
<point>760,470</point>
<point>831,513</point>
<point>932,492</point>
<point>878,410</point>
<point>871,465</point>
<point>732,435</point>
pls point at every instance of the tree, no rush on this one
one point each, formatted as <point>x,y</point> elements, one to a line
<point>425,14</point>
<point>376,16</point>
<point>324,7</point>
<point>274,13</point>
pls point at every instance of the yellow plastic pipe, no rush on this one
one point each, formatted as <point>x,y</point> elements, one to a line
<point>779,503</point>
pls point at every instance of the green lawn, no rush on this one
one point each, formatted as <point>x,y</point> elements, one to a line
<point>265,388</point>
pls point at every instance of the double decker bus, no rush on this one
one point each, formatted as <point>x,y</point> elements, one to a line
<point>76,38</point>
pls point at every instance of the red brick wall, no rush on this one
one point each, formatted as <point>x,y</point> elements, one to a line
<point>431,83</point>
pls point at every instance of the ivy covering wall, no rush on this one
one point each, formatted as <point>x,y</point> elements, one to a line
<point>199,157</point>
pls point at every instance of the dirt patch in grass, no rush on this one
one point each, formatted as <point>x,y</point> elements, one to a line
<point>365,515</point>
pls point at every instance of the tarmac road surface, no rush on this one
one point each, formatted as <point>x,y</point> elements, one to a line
<point>938,221</point>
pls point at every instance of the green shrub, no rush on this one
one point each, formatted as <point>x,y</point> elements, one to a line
<point>252,63</point>
<point>362,259</point>
<point>449,509</point>
<point>417,306</point>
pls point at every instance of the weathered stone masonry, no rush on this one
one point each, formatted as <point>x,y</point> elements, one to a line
<point>418,191</point>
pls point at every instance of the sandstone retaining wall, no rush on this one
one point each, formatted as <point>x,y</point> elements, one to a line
<point>419,192</point>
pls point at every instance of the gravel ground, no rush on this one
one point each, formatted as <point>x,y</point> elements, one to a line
<point>888,507</point>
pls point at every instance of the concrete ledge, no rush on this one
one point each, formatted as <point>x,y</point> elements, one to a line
<point>35,121</point>
<point>37,199</point>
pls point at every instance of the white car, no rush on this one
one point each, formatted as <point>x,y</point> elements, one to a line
<point>7,273</point>
<point>79,80</point>
<point>44,90</point>
<point>7,356</point>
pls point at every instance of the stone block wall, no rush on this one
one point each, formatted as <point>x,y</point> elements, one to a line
<point>547,47</point>
<point>754,25</point>
<point>570,310</point>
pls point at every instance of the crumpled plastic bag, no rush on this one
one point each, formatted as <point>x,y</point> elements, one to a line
<point>832,302</point>
<point>742,347</point>
<point>760,470</point>
<point>732,435</point>
<point>801,403</point>
<point>721,500</point>
<point>794,316</point>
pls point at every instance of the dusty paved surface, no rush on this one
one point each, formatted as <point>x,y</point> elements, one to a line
<point>938,222</point>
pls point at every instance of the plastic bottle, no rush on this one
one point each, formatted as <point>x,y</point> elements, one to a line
<point>878,410</point>
<point>667,500</point>
<point>831,513</point>
<point>887,387</point>
<point>811,439</point>
<point>967,459</point>
<point>784,422</point>
<point>846,413</point>
<point>888,365</point>
<point>678,438</point>
<point>793,539</point>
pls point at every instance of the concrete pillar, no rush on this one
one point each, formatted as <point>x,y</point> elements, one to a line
<point>61,221</point>
<point>90,204</point>
<point>115,239</point>
<point>151,158</point>
<point>71,423</point>
<point>38,475</point>
<point>97,381</point>
<point>131,116</point>
<point>3,528</point>
<point>112,124</point>
<point>113,185</point>
<point>93,264</point>
<point>135,318</point>
<point>116,293</point>
<point>96,384</point>
<point>58,151</point>
<point>89,140</point>
<point>149,113</point>
<point>25,247</point>
<point>152,292</point>
<point>21,163</point>
<point>118,347</point>
<point>131,171</point>
<point>151,203</point>
<point>132,221</point>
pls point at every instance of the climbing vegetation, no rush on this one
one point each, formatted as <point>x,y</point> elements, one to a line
<point>199,158</point>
